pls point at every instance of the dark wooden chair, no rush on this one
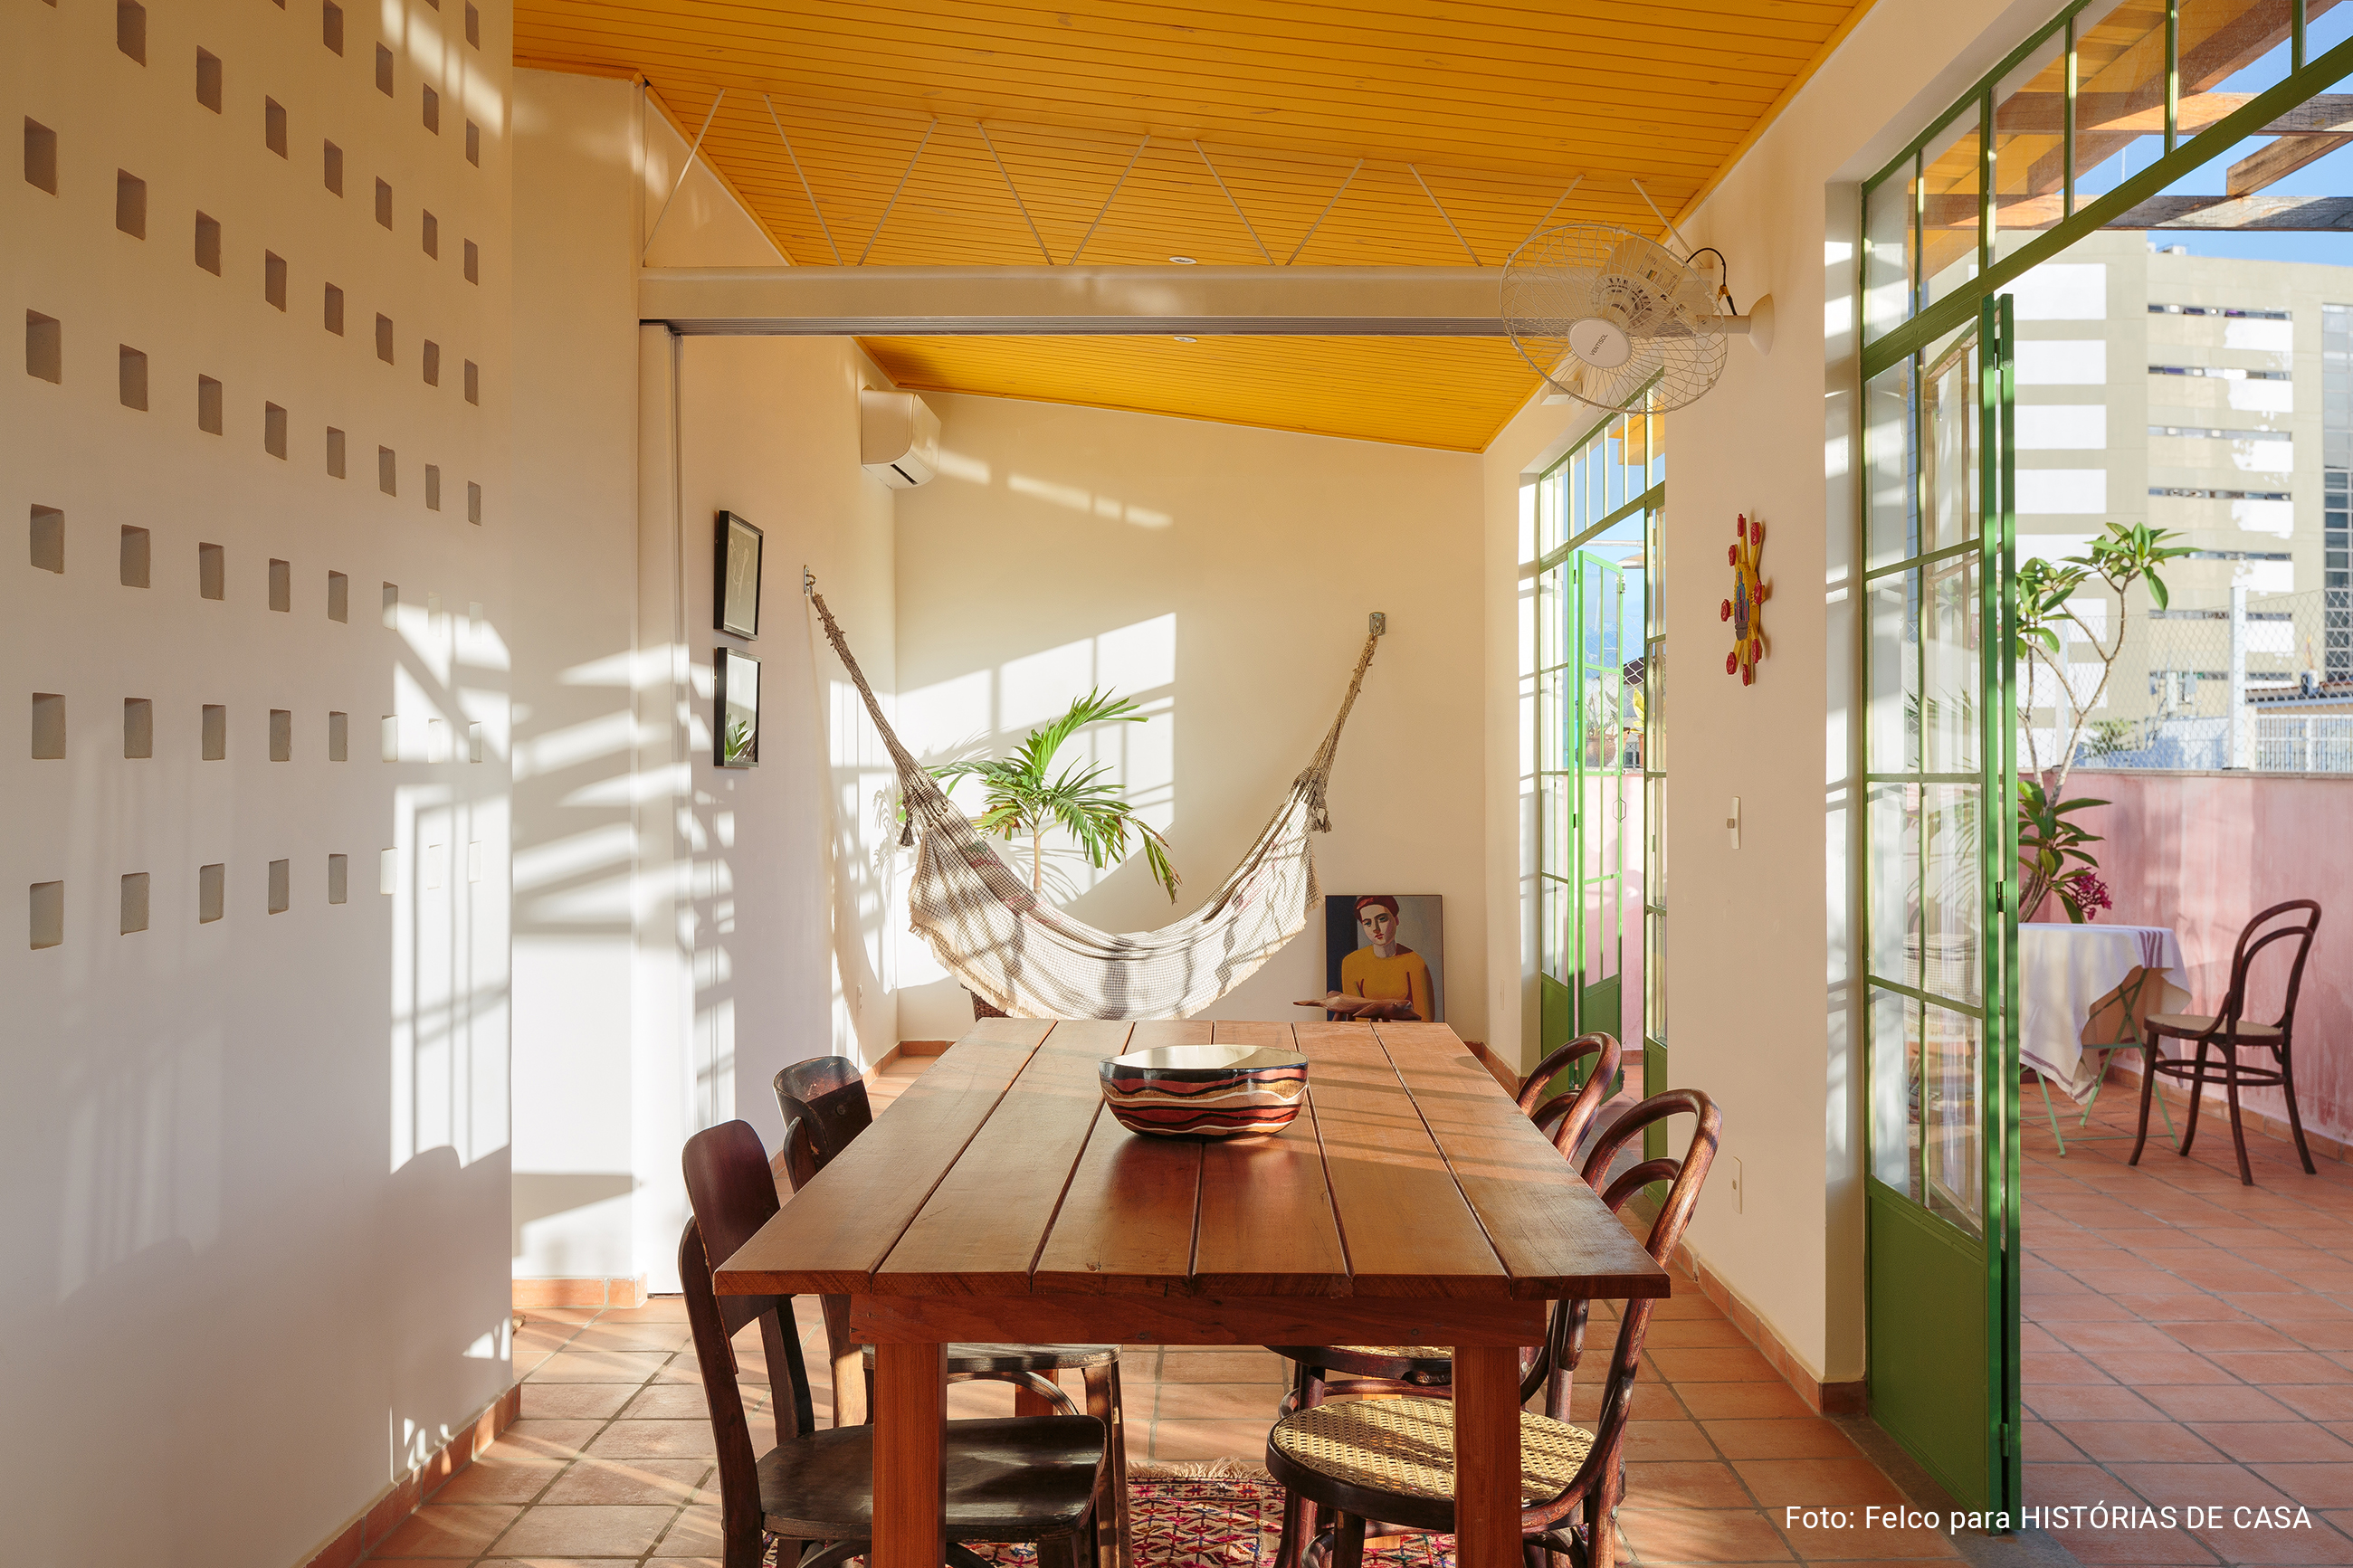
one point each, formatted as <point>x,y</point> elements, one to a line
<point>1023,1479</point>
<point>1393,1460</point>
<point>825,1107</point>
<point>2226,1031</point>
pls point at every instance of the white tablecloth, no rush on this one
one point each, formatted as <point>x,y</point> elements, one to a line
<point>2064,969</point>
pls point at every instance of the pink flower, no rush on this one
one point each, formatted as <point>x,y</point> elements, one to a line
<point>2088,893</point>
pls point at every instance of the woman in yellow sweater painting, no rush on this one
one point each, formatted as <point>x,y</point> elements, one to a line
<point>1383,979</point>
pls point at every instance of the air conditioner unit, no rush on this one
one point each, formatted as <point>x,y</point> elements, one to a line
<point>899,438</point>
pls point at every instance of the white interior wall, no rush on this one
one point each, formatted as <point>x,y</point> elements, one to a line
<point>256,1166</point>
<point>1222,575</point>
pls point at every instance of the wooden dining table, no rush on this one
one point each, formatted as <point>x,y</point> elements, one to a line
<point>1410,1202</point>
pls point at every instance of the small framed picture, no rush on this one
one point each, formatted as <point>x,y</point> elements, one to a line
<point>737,597</point>
<point>736,707</point>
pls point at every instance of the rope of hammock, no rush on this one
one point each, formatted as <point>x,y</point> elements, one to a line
<point>1018,953</point>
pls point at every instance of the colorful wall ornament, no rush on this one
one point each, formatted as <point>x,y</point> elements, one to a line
<point>1745,608</point>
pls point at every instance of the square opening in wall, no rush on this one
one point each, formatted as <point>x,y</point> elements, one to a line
<point>334,169</point>
<point>212,572</point>
<point>273,278</point>
<point>135,902</point>
<point>215,736</point>
<point>392,606</point>
<point>49,539</point>
<point>48,726</point>
<point>387,471</point>
<point>208,405</point>
<point>387,871</point>
<point>339,737</point>
<point>474,26</point>
<point>134,557</point>
<point>432,362</point>
<point>384,204</point>
<point>473,262</point>
<point>212,893</point>
<point>473,144</point>
<point>339,597</point>
<point>384,338</point>
<point>281,735</point>
<point>273,429</point>
<point>432,487</point>
<point>282,586</point>
<point>474,381</point>
<point>273,126</point>
<point>339,878</point>
<point>473,502</point>
<point>138,728</point>
<point>330,26</point>
<point>48,913</point>
<point>474,743</point>
<point>130,377</point>
<point>383,70</point>
<point>281,879</point>
<point>432,112</point>
<point>209,79</point>
<point>432,237</point>
<point>334,453</point>
<point>43,347</point>
<point>130,29</point>
<point>391,737</point>
<point>130,204</point>
<point>208,244</point>
<point>334,317</point>
<point>40,155</point>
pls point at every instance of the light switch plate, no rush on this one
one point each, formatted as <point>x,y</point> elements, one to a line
<point>1732,823</point>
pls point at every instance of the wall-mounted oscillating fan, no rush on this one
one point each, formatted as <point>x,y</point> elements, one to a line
<point>1603,313</point>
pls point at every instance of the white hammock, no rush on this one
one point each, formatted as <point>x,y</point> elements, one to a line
<point>1027,958</point>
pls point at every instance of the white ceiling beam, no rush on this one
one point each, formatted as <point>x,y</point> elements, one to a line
<point>1075,302</point>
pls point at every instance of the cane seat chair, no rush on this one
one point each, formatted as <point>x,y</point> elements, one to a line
<point>825,1107</point>
<point>1037,1478</point>
<point>2226,1032</point>
<point>1358,1370</point>
<point>1393,1458</point>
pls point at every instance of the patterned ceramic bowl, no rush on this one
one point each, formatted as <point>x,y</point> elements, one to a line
<point>1205,1092</point>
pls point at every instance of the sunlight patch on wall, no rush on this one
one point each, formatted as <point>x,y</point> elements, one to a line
<point>1075,498</point>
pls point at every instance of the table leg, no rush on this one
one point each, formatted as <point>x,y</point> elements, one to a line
<point>911,1411</point>
<point>1487,1457</point>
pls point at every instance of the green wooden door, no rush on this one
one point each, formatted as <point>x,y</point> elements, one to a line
<point>1941,858</point>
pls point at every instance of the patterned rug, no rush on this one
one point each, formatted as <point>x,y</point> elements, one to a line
<point>1222,1520</point>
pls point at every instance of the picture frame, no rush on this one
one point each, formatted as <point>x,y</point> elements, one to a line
<point>1403,957</point>
<point>736,597</point>
<point>735,709</point>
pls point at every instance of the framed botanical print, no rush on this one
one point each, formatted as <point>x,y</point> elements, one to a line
<point>735,708</point>
<point>737,595</point>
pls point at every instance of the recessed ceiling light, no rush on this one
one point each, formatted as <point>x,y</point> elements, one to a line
<point>1184,260</point>
<point>1188,340</point>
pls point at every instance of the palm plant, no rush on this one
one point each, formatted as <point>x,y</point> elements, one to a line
<point>1025,794</point>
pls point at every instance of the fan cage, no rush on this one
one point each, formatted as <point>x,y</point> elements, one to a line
<point>1561,276</point>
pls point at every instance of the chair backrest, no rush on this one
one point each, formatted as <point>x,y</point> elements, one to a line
<point>2297,920</point>
<point>1564,1118</point>
<point>825,1097</point>
<point>734,1193</point>
<point>1686,1176</point>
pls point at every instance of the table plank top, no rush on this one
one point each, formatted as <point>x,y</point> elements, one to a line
<point>1409,1174</point>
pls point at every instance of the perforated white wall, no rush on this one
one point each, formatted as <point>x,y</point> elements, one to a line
<point>254,1122</point>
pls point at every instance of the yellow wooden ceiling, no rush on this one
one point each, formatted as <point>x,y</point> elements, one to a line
<point>1496,109</point>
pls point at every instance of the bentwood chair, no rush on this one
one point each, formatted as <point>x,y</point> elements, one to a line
<point>1024,1478</point>
<point>2226,1031</point>
<point>1393,1460</point>
<point>825,1107</point>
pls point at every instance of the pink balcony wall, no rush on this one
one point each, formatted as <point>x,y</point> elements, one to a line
<point>2202,853</point>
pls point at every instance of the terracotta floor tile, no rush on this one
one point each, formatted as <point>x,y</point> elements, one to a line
<point>2045,1444</point>
<point>694,1533</point>
<point>1216,1402</point>
<point>672,1402</point>
<point>1884,1541</point>
<point>2180,1307</point>
<point>2176,1366</point>
<point>613,1531</point>
<point>656,1439</point>
<point>2241,1335</point>
<point>2131,1281</point>
<point>2050,1484</point>
<point>2080,1402</point>
<point>1684,1483</point>
<point>1183,1442</point>
<point>1739,1401</point>
<point>1702,1535</point>
<point>607,1335</point>
<point>1808,1437</point>
<point>1742,1365</point>
<point>2283,1440</point>
<point>574,1401</point>
<point>2135,1546</point>
<point>1849,1481</point>
<point>665,1481</point>
<point>2201,1403</point>
<point>2088,1307</point>
<point>2042,1367</point>
<point>448,1529</point>
<point>2284,1309</point>
<point>1222,1366</point>
<point>2142,1441</point>
<point>542,1439</point>
<point>656,1309</point>
<point>500,1480</point>
<point>2322,1544</point>
<point>1667,1440</point>
<point>1686,1333</point>
<point>2283,1366</point>
<point>598,1367</point>
<point>2132,1335</point>
<point>2322,1335</point>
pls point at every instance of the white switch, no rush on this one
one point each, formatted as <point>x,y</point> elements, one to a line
<point>387,871</point>
<point>1739,1188</point>
<point>1732,823</point>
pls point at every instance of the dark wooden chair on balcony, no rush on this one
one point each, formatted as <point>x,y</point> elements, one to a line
<point>1393,1460</point>
<point>825,1107</point>
<point>1026,1478</point>
<point>2230,1030</point>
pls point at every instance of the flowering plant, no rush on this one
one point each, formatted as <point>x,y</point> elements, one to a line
<point>2083,894</point>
